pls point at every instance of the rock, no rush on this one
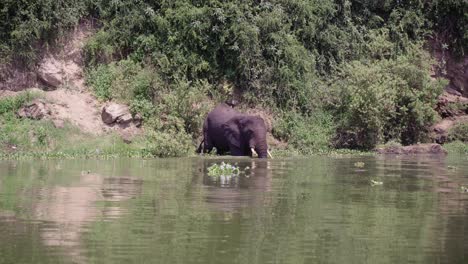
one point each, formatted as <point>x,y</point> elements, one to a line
<point>450,104</point>
<point>431,148</point>
<point>112,111</point>
<point>58,123</point>
<point>37,109</point>
<point>137,120</point>
<point>127,137</point>
<point>49,80</point>
<point>125,119</point>
<point>441,130</point>
<point>50,72</point>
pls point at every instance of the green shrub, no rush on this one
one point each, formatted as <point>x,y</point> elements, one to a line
<point>388,99</point>
<point>186,101</point>
<point>180,104</point>
<point>307,134</point>
<point>142,106</point>
<point>28,25</point>
<point>99,49</point>
<point>167,144</point>
<point>122,81</point>
<point>14,103</point>
<point>459,132</point>
<point>100,79</point>
<point>457,147</point>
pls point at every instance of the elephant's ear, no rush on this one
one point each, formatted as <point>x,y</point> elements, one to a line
<point>232,132</point>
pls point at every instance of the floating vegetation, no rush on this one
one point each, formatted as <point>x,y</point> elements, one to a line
<point>374,182</point>
<point>464,189</point>
<point>359,164</point>
<point>223,169</point>
<point>451,167</point>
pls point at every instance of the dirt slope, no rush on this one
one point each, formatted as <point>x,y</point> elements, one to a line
<point>60,75</point>
<point>80,108</point>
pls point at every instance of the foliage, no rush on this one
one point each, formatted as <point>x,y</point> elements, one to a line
<point>223,169</point>
<point>27,25</point>
<point>459,132</point>
<point>386,99</point>
<point>14,103</point>
<point>307,134</point>
<point>359,61</point>
<point>457,147</point>
<point>179,105</point>
<point>167,144</point>
<point>121,81</point>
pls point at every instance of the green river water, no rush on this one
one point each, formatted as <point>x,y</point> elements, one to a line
<point>310,210</point>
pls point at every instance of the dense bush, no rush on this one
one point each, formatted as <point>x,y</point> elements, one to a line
<point>306,134</point>
<point>9,105</point>
<point>361,61</point>
<point>387,99</point>
<point>179,105</point>
<point>459,132</point>
<point>167,144</point>
<point>27,25</point>
<point>122,81</point>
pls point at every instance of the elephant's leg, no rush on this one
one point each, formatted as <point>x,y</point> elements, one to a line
<point>235,150</point>
<point>207,144</point>
<point>200,147</point>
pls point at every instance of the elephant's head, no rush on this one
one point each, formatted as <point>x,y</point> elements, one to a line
<point>247,133</point>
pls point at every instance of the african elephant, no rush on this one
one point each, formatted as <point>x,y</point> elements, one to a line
<point>229,130</point>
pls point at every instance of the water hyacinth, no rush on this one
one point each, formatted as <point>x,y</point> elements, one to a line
<point>359,164</point>
<point>223,169</point>
<point>375,182</point>
<point>464,189</point>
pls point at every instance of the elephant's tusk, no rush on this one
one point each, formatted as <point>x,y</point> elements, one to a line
<point>269,154</point>
<point>253,152</point>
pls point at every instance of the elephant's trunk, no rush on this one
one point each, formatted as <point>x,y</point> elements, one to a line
<point>262,150</point>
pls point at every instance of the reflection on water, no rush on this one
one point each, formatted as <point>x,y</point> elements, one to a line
<point>315,210</point>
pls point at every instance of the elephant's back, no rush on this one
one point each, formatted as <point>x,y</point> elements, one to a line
<point>219,116</point>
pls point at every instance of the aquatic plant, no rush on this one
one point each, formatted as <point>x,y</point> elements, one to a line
<point>359,164</point>
<point>374,182</point>
<point>223,169</point>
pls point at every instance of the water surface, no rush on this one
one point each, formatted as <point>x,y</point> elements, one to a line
<point>311,210</point>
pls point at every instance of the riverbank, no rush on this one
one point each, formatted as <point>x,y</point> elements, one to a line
<point>326,79</point>
<point>26,138</point>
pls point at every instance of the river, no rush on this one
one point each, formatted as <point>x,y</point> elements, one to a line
<point>372,209</point>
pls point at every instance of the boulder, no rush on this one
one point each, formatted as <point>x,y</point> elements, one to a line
<point>49,80</point>
<point>37,109</point>
<point>451,104</point>
<point>50,72</point>
<point>137,120</point>
<point>127,137</point>
<point>111,112</point>
<point>58,123</point>
<point>124,119</point>
<point>430,148</point>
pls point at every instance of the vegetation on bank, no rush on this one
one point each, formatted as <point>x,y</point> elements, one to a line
<point>23,137</point>
<point>335,73</point>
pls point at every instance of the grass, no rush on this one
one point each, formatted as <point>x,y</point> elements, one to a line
<point>22,138</point>
<point>26,138</point>
<point>14,103</point>
<point>457,147</point>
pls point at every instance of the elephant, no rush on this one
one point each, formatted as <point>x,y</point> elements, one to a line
<point>226,129</point>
